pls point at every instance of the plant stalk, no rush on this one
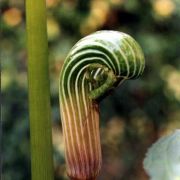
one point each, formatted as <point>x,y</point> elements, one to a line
<point>39,91</point>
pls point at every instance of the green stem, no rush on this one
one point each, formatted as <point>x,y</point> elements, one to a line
<point>39,91</point>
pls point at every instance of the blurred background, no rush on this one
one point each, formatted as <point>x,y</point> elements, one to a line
<point>132,118</point>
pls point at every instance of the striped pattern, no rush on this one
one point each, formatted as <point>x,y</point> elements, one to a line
<point>94,65</point>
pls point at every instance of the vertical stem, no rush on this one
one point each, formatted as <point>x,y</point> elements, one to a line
<point>39,91</point>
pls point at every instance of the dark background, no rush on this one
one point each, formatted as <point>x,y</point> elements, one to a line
<point>132,118</point>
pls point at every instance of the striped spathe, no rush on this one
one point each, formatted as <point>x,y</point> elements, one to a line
<point>96,64</point>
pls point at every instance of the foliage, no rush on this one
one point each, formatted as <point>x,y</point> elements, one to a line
<point>132,117</point>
